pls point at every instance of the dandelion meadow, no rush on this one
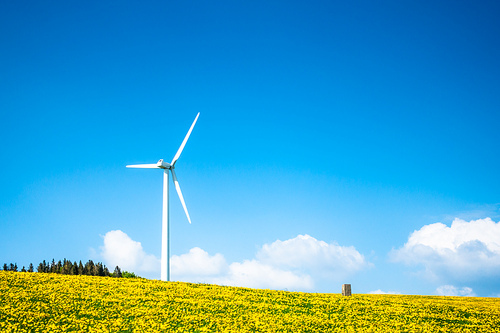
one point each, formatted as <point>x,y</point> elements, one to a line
<point>38,302</point>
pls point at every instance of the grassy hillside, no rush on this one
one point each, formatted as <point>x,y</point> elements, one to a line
<point>36,302</point>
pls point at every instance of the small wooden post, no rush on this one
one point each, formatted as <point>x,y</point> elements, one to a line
<point>346,290</point>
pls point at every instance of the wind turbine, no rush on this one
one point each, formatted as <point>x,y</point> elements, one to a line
<point>165,236</point>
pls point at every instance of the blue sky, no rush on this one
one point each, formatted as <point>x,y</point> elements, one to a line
<point>333,138</point>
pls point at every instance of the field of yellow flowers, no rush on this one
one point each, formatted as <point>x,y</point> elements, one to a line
<point>39,302</point>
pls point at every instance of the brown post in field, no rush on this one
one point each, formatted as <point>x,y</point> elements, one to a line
<point>346,290</point>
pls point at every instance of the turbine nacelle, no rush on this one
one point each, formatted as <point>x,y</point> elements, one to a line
<point>164,165</point>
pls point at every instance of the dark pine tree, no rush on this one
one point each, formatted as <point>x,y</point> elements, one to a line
<point>64,267</point>
<point>67,267</point>
<point>117,272</point>
<point>5,267</point>
<point>100,269</point>
<point>81,269</point>
<point>30,268</point>
<point>89,267</point>
<point>95,270</point>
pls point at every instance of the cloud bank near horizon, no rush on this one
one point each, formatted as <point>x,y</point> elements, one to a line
<point>449,290</point>
<point>463,252</point>
<point>456,259</point>
<point>294,264</point>
<point>120,250</point>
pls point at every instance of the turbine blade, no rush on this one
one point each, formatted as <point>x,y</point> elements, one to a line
<point>176,157</point>
<point>178,188</point>
<point>143,166</point>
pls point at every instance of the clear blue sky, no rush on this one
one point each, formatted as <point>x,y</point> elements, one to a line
<point>338,128</point>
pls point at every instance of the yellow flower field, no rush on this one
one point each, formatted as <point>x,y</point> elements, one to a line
<point>38,302</point>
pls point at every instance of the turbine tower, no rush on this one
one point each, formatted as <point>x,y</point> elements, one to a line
<point>168,167</point>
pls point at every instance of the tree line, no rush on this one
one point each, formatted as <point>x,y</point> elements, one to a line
<point>72,268</point>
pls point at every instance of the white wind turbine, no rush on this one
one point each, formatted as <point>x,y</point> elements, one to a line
<point>165,239</point>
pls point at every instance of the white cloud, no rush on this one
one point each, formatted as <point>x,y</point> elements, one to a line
<point>198,263</point>
<point>380,292</point>
<point>199,266</point>
<point>307,253</point>
<point>254,274</point>
<point>294,264</point>
<point>120,250</point>
<point>465,251</point>
<point>449,290</point>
